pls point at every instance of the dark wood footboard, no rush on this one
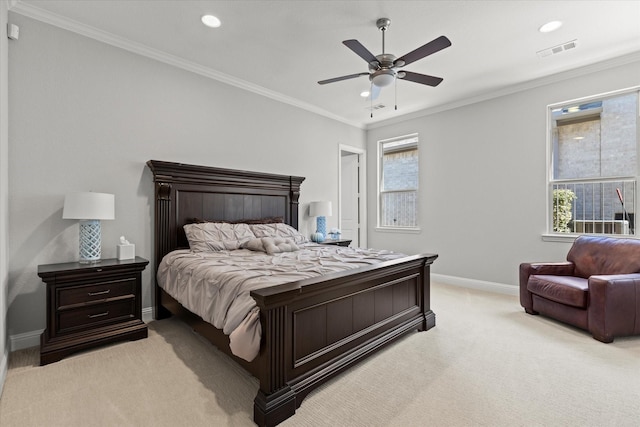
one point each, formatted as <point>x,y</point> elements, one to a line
<point>316,328</point>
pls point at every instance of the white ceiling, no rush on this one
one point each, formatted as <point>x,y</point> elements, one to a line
<point>282,48</point>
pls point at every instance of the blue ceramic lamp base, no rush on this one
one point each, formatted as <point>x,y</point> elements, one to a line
<point>321,226</point>
<point>90,241</point>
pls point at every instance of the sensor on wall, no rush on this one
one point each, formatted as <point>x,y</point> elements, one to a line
<point>13,31</point>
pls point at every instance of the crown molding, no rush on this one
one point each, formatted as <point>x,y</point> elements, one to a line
<point>17,6</point>
<point>65,23</point>
<point>531,84</point>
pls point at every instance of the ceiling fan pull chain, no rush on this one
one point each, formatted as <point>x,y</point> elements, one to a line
<point>371,98</point>
<point>396,94</point>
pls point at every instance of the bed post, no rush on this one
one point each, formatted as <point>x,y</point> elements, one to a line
<point>164,241</point>
<point>294,196</point>
<point>275,401</point>
<point>429,315</point>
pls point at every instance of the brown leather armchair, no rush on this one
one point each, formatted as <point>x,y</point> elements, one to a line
<point>597,289</point>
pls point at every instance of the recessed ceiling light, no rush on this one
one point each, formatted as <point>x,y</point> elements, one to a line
<point>364,94</point>
<point>550,26</point>
<point>578,138</point>
<point>211,21</point>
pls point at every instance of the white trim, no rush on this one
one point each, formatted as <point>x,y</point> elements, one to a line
<point>410,230</point>
<point>571,237</point>
<point>557,237</point>
<point>32,338</point>
<point>362,164</point>
<point>91,32</point>
<point>25,340</point>
<point>4,367</point>
<point>147,314</point>
<point>42,15</point>
<point>498,288</point>
<point>379,192</point>
<point>531,84</point>
<point>549,235</point>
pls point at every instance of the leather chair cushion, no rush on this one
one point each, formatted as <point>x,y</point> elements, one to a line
<point>567,290</point>
<point>604,255</point>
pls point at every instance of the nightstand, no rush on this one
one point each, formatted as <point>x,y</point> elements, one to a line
<point>90,305</point>
<point>337,242</point>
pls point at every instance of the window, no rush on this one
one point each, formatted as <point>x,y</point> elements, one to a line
<point>398,190</point>
<point>594,164</point>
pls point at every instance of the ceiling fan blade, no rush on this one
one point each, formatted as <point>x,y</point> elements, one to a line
<point>421,78</point>
<point>425,50</point>
<point>337,79</point>
<point>361,51</point>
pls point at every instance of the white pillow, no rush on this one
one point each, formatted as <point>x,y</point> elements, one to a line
<point>278,230</point>
<point>217,236</point>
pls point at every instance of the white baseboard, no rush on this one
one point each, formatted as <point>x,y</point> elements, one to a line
<point>499,288</point>
<point>4,366</point>
<point>147,314</point>
<point>32,339</point>
<point>25,340</point>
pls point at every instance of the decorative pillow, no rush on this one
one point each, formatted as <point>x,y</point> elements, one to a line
<point>278,230</point>
<point>217,236</point>
<point>271,245</point>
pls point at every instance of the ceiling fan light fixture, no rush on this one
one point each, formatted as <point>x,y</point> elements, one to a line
<point>211,21</point>
<point>383,78</point>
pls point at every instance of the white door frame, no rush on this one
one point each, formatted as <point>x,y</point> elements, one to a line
<point>362,178</point>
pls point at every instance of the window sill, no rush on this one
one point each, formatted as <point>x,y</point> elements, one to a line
<point>410,230</point>
<point>556,237</point>
<point>570,237</point>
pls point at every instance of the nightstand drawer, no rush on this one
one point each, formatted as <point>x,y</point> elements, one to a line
<point>94,315</point>
<point>95,292</point>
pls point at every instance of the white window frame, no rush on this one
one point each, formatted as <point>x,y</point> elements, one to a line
<point>550,235</point>
<point>387,228</point>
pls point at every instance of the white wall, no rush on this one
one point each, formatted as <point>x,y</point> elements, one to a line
<point>4,190</point>
<point>483,178</point>
<point>87,116</point>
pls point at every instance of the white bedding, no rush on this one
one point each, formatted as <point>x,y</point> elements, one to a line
<point>216,285</point>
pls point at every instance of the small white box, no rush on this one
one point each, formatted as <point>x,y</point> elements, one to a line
<point>126,251</point>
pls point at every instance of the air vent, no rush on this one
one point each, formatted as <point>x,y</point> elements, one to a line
<point>375,107</point>
<point>558,49</point>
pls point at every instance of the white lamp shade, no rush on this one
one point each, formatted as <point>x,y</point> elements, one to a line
<point>89,205</point>
<point>320,209</point>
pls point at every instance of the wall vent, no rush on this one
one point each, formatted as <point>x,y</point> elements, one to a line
<point>375,107</point>
<point>557,49</point>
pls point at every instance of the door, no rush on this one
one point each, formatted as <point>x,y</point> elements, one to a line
<point>350,197</point>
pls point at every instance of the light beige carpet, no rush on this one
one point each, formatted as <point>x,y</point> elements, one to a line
<point>486,363</point>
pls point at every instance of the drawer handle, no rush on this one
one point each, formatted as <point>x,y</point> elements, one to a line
<point>93,294</point>
<point>93,316</point>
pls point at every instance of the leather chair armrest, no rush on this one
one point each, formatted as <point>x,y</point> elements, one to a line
<point>614,306</point>
<point>529,268</point>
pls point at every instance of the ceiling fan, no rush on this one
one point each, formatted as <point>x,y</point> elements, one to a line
<point>384,69</point>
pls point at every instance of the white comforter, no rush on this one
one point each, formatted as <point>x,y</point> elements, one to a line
<point>216,285</point>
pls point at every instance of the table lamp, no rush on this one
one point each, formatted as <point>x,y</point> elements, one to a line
<point>321,210</point>
<point>89,208</point>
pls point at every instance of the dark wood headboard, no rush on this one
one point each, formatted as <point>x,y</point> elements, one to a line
<point>184,192</point>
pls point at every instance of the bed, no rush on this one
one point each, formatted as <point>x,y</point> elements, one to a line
<point>312,329</point>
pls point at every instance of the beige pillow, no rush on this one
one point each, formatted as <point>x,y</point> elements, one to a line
<point>271,245</point>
